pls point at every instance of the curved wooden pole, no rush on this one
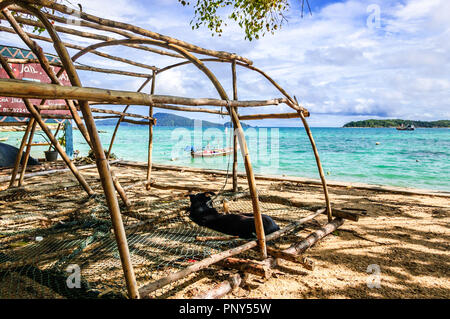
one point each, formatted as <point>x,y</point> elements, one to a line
<point>37,50</point>
<point>243,144</point>
<point>102,164</point>
<point>137,30</point>
<point>291,102</point>
<point>20,153</point>
<point>319,166</point>
<point>121,119</point>
<point>27,154</point>
<point>235,119</point>
<point>150,137</point>
<point>55,78</point>
<point>235,141</point>
<point>90,35</point>
<point>35,114</point>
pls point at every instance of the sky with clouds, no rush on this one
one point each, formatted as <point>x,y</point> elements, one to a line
<point>350,60</point>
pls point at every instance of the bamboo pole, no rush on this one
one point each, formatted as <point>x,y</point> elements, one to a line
<point>44,116</point>
<point>221,289</point>
<point>85,34</point>
<point>291,102</point>
<point>268,116</point>
<point>102,163</point>
<point>56,134</point>
<point>27,154</point>
<point>247,266</point>
<point>78,47</point>
<point>120,120</point>
<point>235,141</point>
<point>56,171</point>
<point>243,145</point>
<point>72,74</point>
<point>20,153</point>
<point>37,50</point>
<point>282,254</point>
<point>313,238</point>
<point>28,89</point>
<point>150,137</point>
<point>146,290</point>
<point>13,123</point>
<point>137,30</point>
<point>83,68</point>
<point>33,111</point>
<point>95,110</point>
<point>319,166</point>
<point>188,109</point>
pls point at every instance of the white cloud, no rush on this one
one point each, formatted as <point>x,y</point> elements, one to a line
<point>337,67</point>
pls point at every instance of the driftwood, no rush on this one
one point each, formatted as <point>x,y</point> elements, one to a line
<point>314,237</point>
<point>247,266</point>
<point>306,262</point>
<point>221,289</point>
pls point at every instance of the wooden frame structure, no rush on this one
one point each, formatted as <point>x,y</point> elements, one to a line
<point>79,98</point>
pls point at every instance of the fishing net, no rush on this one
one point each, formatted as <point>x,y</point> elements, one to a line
<point>49,233</point>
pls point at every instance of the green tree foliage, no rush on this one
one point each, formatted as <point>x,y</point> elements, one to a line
<point>256,17</point>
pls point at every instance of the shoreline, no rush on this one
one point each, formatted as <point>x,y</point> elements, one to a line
<point>264,177</point>
<point>303,180</point>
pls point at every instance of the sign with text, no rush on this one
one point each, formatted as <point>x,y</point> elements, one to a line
<point>31,72</point>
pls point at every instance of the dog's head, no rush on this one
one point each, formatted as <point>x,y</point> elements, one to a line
<point>200,198</point>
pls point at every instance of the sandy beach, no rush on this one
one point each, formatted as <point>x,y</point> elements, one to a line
<point>405,235</point>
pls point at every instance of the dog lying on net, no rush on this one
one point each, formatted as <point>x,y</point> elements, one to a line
<point>202,213</point>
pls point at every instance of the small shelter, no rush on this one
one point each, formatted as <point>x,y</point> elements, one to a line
<point>61,95</point>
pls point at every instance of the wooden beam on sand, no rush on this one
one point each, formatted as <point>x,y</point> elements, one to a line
<point>147,289</point>
<point>247,266</point>
<point>221,289</point>
<point>313,238</point>
<point>282,254</point>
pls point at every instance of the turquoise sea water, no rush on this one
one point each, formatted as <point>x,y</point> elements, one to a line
<point>419,159</point>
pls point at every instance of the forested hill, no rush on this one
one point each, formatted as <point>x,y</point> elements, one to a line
<point>397,122</point>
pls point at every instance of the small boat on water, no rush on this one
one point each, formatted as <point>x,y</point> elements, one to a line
<point>409,127</point>
<point>212,152</point>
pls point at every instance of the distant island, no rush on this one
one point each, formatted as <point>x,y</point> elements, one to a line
<point>168,119</point>
<point>397,122</point>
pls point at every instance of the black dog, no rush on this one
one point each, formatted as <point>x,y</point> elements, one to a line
<point>242,225</point>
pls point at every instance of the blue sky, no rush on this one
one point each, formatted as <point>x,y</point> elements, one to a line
<point>340,63</point>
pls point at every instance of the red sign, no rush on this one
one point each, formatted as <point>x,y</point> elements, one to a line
<point>31,72</point>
